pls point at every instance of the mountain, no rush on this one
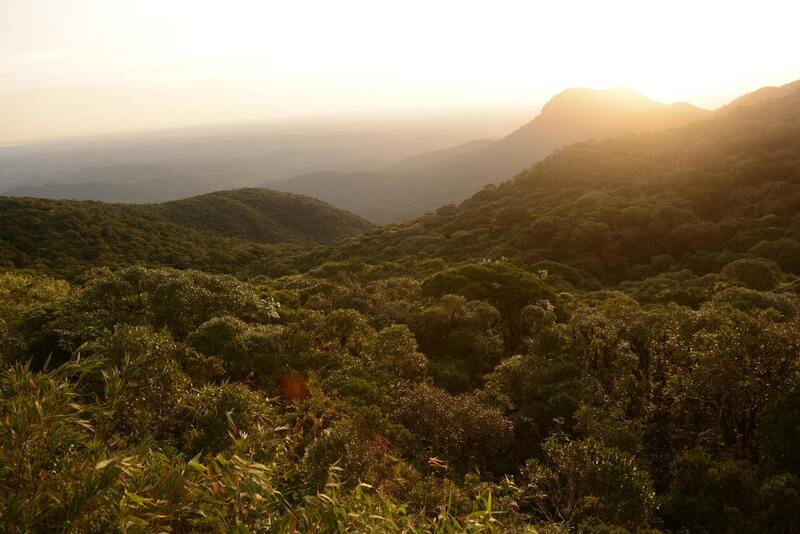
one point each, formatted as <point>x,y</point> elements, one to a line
<point>696,198</point>
<point>350,167</point>
<point>222,232</point>
<point>144,183</point>
<point>759,95</point>
<point>172,164</point>
<point>411,187</point>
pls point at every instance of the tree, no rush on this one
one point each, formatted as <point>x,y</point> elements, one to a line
<point>463,339</point>
<point>504,286</point>
<point>246,349</point>
<point>395,351</point>
<point>753,273</point>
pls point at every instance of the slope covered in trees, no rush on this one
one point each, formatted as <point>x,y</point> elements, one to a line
<point>221,232</point>
<point>693,198</point>
<point>407,188</point>
<point>610,342</point>
<point>265,216</point>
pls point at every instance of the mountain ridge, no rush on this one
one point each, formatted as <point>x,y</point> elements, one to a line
<point>694,197</point>
<point>598,113</point>
<point>759,95</point>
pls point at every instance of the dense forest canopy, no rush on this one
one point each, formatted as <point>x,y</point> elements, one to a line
<point>609,342</point>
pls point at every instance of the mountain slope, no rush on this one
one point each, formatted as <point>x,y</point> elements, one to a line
<point>696,198</point>
<point>232,231</point>
<point>760,95</point>
<point>404,190</point>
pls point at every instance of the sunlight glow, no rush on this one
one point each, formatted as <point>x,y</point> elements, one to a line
<point>105,65</point>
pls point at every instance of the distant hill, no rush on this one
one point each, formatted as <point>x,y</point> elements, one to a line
<point>423,183</point>
<point>145,183</point>
<point>223,232</point>
<point>759,95</point>
<point>135,192</point>
<point>264,216</point>
<point>168,165</point>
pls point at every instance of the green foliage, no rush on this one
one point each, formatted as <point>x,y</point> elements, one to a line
<point>738,362</point>
<point>46,476</point>
<point>179,301</point>
<point>247,350</point>
<point>504,286</point>
<point>23,296</point>
<point>539,394</point>
<point>463,339</point>
<point>755,274</point>
<point>216,415</point>
<point>395,351</point>
<point>784,252</point>
<point>727,496</point>
<point>460,431</point>
<point>779,431</point>
<point>142,384</point>
<point>264,216</point>
<point>220,232</point>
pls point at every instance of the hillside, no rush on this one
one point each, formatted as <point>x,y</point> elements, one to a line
<point>407,188</point>
<point>759,95</point>
<point>264,216</point>
<point>222,232</point>
<point>696,197</point>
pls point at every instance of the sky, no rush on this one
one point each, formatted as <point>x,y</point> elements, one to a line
<point>83,67</point>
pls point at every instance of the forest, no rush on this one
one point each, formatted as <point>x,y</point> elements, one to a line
<point>227,231</point>
<point>609,342</point>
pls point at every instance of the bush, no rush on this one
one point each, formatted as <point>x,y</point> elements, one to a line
<point>249,351</point>
<point>179,301</point>
<point>215,416</point>
<point>712,496</point>
<point>142,384</point>
<point>753,273</point>
<point>585,483</point>
<point>458,430</point>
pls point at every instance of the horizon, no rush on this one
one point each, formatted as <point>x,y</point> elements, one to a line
<point>495,119</point>
<point>89,68</point>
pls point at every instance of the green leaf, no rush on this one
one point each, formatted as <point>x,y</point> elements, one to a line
<point>195,465</point>
<point>104,464</point>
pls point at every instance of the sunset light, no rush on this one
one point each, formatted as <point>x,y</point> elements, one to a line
<point>134,65</point>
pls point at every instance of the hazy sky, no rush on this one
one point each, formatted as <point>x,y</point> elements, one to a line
<point>72,67</point>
